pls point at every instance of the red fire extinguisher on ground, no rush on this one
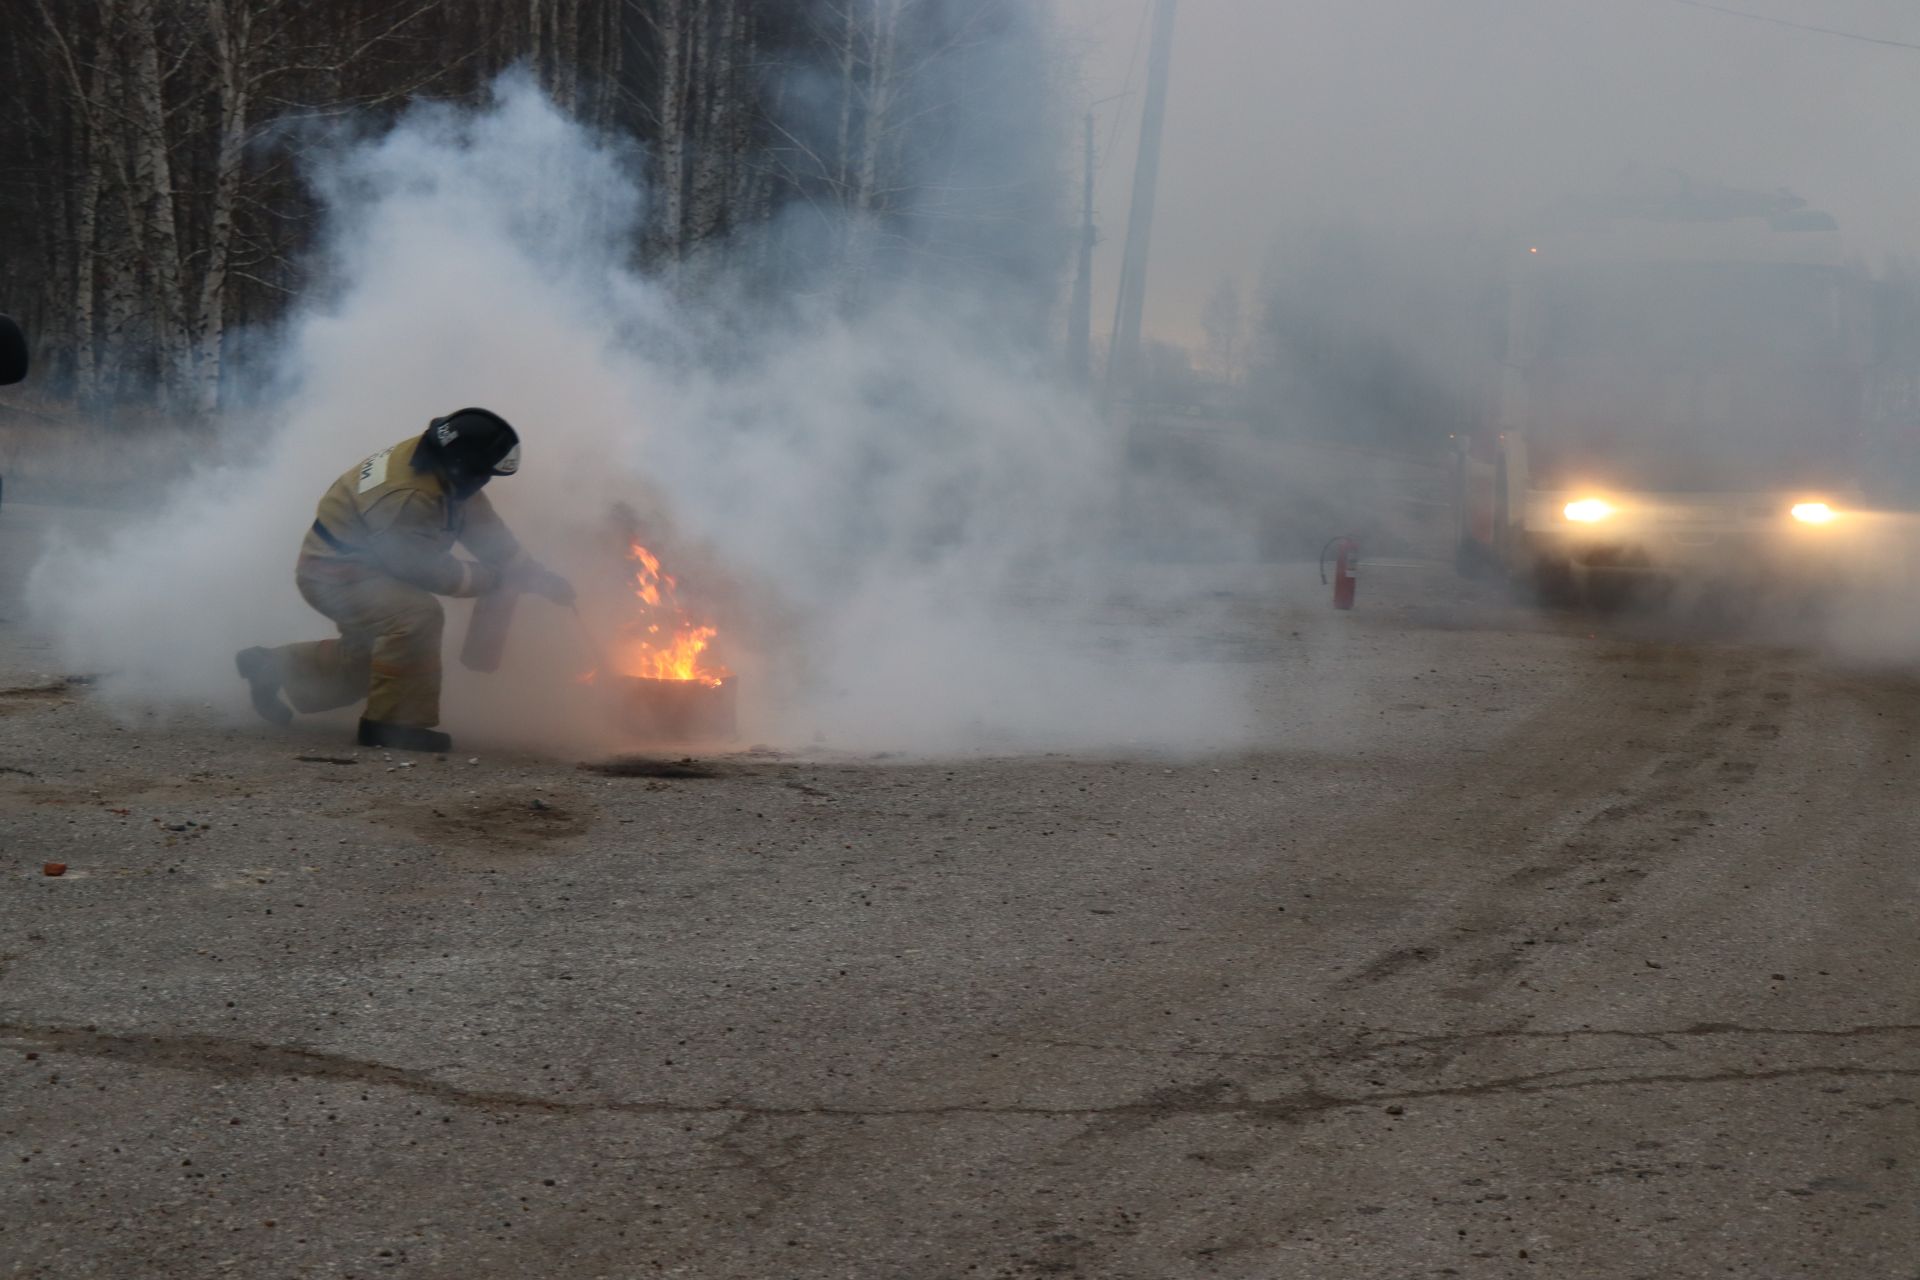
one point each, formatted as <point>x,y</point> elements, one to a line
<point>1346,567</point>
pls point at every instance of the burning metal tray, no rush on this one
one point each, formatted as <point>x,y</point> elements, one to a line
<point>676,710</point>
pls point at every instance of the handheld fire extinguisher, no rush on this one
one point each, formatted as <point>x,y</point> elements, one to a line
<point>1346,568</point>
<point>486,642</point>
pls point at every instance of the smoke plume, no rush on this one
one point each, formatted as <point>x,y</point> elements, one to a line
<point>904,529</point>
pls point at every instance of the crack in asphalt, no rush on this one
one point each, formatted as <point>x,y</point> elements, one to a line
<point>1691,1030</point>
<point>1219,1097</point>
<point>1662,1038</point>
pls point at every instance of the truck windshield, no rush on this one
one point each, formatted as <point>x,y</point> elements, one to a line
<point>1698,314</point>
<point>1693,376</point>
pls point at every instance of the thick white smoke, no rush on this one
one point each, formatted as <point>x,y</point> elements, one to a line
<point>904,529</point>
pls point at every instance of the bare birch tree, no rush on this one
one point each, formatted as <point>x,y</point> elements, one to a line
<point>153,148</point>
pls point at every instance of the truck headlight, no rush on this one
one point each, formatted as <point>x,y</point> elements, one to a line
<point>1589,510</point>
<point>1812,513</point>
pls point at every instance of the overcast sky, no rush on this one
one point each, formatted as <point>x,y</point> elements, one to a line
<point>1288,113</point>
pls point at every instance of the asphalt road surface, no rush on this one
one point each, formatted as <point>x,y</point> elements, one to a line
<point>1529,946</point>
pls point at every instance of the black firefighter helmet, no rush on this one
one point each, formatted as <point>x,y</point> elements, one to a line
<point>13,351</point>
<point>469,447</point>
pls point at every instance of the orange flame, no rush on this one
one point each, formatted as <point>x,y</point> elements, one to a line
<point>649,578</point>
<point>677,656</point>
<point>678,659</point>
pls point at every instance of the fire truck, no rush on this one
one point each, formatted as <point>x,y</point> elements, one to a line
<point>1678,391</point>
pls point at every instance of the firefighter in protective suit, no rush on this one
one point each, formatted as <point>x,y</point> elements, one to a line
<point>379,551</point>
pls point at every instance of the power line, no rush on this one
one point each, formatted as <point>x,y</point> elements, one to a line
<point>1797,26</point>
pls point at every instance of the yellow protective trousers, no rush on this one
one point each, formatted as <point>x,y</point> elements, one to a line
<point>388,651</point>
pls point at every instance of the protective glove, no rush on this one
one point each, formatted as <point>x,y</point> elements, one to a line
<point>537,579</point>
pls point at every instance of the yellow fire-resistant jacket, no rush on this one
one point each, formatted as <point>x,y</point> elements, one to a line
<point>385,516</point>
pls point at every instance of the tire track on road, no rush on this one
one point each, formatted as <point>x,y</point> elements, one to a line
<point>1580,879</point>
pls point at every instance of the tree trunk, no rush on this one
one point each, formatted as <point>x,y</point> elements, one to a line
<point>881,90</point>
<point>231,22</point>
<point>120,288</point>
<point>536,39</point>
<point>153,190</point>
<point>120,237</point>
<point>714,141</point>
<point>671,23</point>
<point>850,30</point>
<point>876,125</point>
<point>744,179</point>
<point>611,63</point>
<point>566,54</point>
<point>86,216</point>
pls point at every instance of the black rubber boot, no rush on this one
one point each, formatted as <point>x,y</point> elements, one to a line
<point>263,684</point>
<point>402,737</point>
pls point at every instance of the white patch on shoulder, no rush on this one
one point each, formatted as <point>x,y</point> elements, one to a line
<point>509,464</point>
<point>373,472</point>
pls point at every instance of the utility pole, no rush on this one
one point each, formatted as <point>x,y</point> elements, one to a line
<point>1123,357</point>
<point>1080,318</point>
